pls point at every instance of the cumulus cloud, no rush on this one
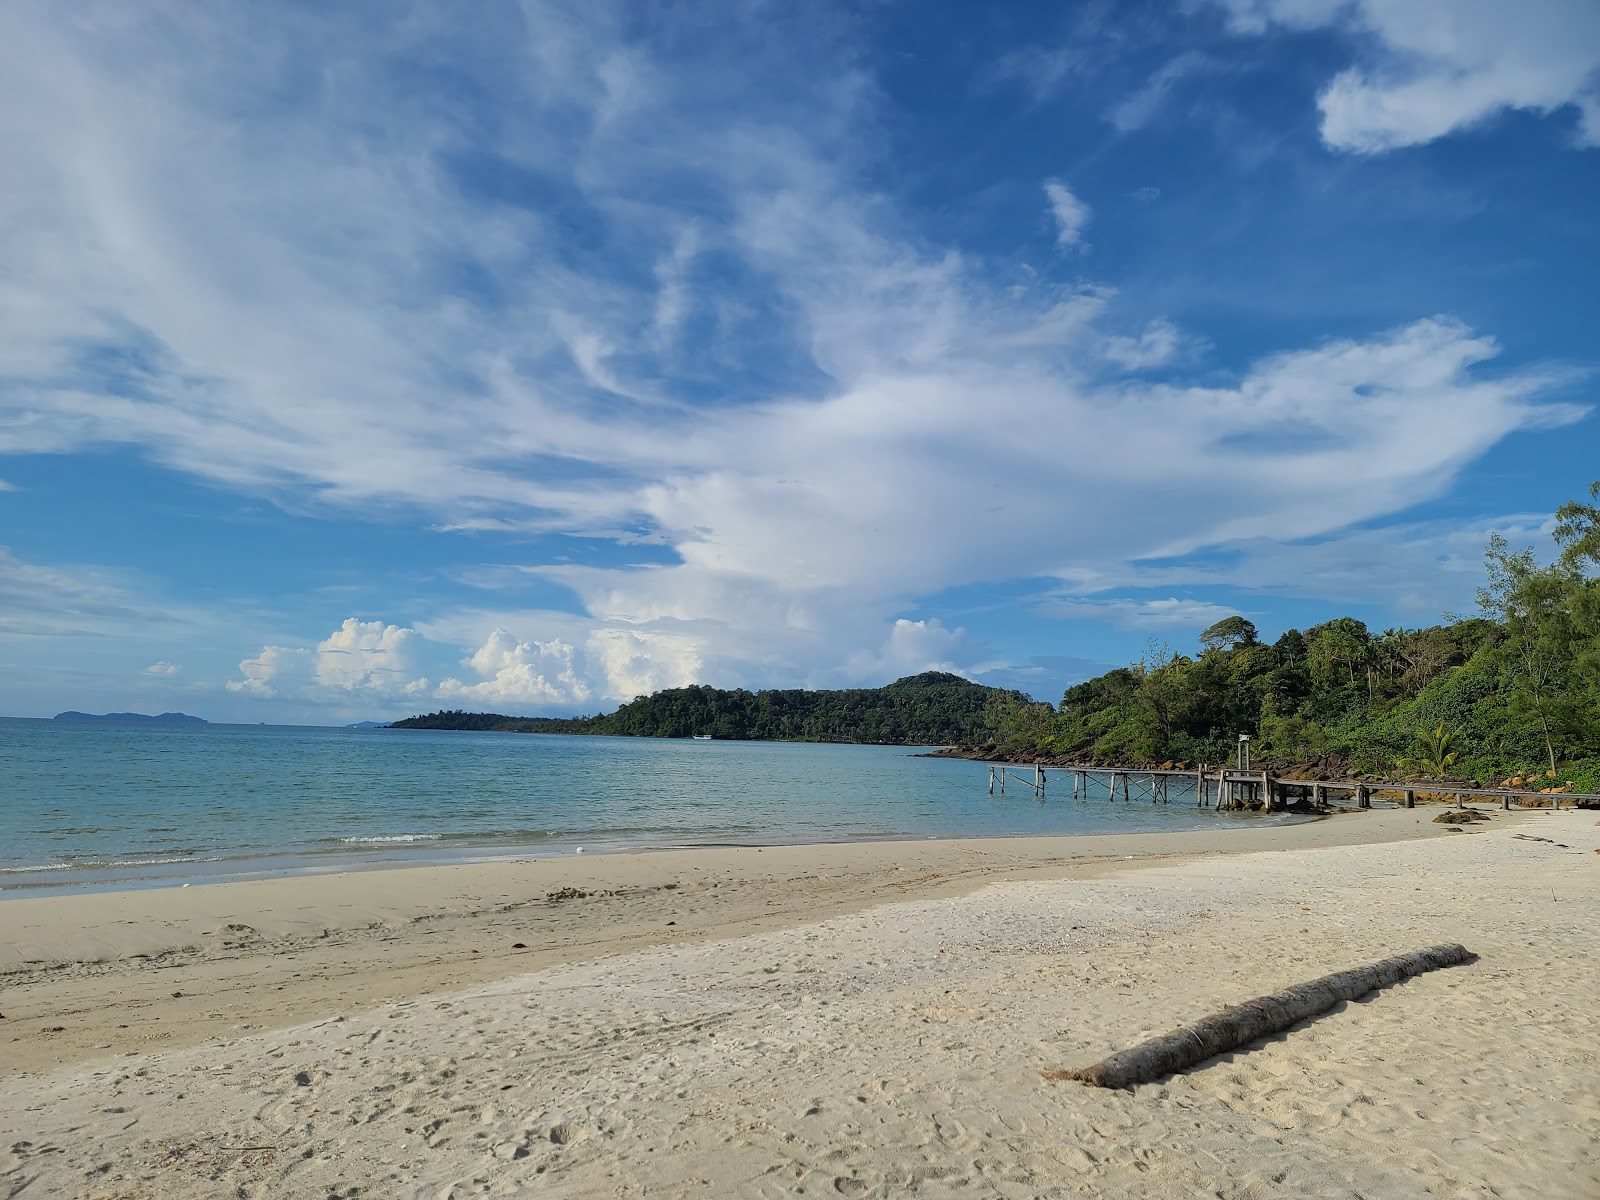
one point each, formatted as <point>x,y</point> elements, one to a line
<point>913,647</point>
<point>1429,70</point>
<point>163,668</point>
<point>1071,214</point>
<point>634,663</point>
<point>369,659</point>
<point>369,655</point>
<point>513,672</point>
<point>276,671</point>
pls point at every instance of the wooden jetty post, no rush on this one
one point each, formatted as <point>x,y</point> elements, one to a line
<point>1411,798</point>
<point>991,779</point>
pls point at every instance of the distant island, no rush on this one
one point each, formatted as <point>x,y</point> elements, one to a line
<point>368,725</point>
<point>167,718</point>
<point>932,709</point>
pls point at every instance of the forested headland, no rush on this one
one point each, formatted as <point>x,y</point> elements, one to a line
<point>931,709</point>
<point>1512,691</point>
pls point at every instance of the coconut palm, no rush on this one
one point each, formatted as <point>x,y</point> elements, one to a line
<point>1437,752</point>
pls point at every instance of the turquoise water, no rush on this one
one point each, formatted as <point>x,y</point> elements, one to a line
<point>89,805</point>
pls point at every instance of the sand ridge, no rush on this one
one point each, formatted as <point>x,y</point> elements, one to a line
<point>897,1050</point>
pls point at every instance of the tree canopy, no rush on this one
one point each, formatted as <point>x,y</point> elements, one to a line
<point>934,708</point>
<point>1512,690</point>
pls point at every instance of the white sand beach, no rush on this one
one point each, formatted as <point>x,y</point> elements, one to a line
<point>863,1020</point>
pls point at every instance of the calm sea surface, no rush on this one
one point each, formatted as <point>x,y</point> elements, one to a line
<point>87,805</point>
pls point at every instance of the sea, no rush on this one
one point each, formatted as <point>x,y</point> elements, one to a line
<point>88,806</point>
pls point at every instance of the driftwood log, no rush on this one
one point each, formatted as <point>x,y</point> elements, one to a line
<point>1234,1027</point>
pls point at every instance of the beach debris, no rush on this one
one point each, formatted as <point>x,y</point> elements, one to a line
<point>519,945</point>
<point>1240,1024</point>
<point>1460,816</point>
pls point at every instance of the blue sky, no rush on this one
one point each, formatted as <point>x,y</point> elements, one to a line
<point>361,360</point>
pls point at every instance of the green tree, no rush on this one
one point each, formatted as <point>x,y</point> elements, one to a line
<point>1534,604</point>
<point>1437,751</point>
<point>1577,530</point>
<point>1228,634</point>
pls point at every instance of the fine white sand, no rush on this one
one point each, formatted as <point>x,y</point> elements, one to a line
<point>890,1049</point>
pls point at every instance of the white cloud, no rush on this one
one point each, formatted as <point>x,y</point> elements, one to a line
<point>369,656</point>
<point>47,601</point>
<point>1156,346</point>
<point>1071,214</point>
<point>1169,613</point>
<point>276,671</point>
<point>1139,107</point>
<point>1417,570</point>
<point>355,296</point>
<point>163,668</point>
<point>1429,70</point>
<point>512,672</point>
<point>632,663</point>
<point>361,658</point>
<point>911,648</point>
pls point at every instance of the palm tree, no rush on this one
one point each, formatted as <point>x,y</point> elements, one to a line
<point>1437,752</point>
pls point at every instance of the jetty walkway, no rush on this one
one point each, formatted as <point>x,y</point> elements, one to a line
<point>1232,788</point>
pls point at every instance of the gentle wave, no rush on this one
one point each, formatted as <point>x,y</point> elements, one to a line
<point>92,863</point>
<point>390,838</point>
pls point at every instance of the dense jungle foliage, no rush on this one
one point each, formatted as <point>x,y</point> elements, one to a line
<point>930,709</point>
<point>1514,690</point>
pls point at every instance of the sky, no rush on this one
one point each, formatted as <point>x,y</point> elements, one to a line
<point>367,359</point>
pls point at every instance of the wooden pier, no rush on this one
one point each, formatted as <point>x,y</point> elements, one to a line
<point>1228,789</point>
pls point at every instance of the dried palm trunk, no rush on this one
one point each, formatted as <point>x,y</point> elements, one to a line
<point>1234,1027</point>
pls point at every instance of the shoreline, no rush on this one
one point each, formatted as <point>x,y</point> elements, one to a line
<point>110,973</point>
<point>418,851</point>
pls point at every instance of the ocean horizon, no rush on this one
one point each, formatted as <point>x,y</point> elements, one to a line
<point>93,805</point>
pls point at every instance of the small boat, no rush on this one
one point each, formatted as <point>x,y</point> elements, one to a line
<point>702,737</point>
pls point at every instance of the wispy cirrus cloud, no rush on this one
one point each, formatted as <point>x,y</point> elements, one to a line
<point>649,296</point>
<point>1140,106</point>
<point>54,601</point>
